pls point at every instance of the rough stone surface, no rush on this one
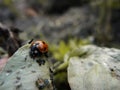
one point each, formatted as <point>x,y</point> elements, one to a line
<point>21,72</point>
<point>94,69</point>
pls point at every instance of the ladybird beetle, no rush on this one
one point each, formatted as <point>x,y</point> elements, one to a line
<point>38,49</point>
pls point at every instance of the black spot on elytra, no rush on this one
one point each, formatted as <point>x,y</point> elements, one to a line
<point>45,48</point>
<point>43,42</point>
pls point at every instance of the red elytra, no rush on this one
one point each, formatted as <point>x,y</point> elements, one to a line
<point>42,46</point>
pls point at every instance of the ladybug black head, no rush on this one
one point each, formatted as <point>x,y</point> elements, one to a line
<point>34,51</point>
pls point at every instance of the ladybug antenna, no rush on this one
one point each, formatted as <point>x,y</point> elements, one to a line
<point>30,41</point>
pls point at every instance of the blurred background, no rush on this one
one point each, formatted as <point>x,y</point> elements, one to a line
<point>63,24</point>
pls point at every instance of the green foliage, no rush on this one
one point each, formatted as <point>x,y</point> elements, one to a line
<point>104,28</point>
<point>7,2</point>
<point>110,3</point>
<point>62,52</point>
<point>62,48</point>
<point>61,77</point>
<point>59,50</point>
<point>115,4</point>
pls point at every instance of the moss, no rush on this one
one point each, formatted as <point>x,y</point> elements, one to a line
<point>59,50</point>
<point>63,51</point>
<point>62,48</point>
<point>60,77</point>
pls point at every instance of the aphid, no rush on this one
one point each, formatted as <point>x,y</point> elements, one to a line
<point>42,83</point>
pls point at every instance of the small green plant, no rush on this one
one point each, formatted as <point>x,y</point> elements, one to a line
<point>63,47</point>
<point>59,50</point>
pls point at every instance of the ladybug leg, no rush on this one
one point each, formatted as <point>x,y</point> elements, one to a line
<point>46,55</point>
<point>40,61</point>
<point>30,41</point>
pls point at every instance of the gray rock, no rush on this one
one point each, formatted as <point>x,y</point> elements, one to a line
<point>94,68</point>
<point>22,73</point>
